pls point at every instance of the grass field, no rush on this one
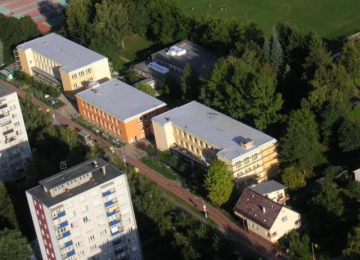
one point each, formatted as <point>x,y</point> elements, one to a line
<point>331,19</point>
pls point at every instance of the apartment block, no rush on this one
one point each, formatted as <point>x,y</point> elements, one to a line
<point>265,218</point>
<point>200,134</point>
<point>61,62</point>
<point>15,152</point>
<point>85,212</point>
<point>119,109</point>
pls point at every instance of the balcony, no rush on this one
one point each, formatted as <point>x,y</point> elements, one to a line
<point>65,234</point>
<point>4,110</point>
<point>115,233</point>
<point>112,213</point>
<point>110,203</point>
<point>120,250</point>
<point>283,199</point>
<point>68,254</point>
<point>118,241</point>
<point>66,245</point>
<point>107,193</point>
<point>59,215</point>
<point>62,225</point>
<point>114,222</point>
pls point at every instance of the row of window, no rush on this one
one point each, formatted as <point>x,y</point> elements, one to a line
<point>101,113</point>
<point>193,139</point>
<point>146,117</point>
<point>83,83</point>
<point>45,60</point>
<point>247,170</point>
<point>247,160</point>
<point>81,73</point>
<point>190,147</point>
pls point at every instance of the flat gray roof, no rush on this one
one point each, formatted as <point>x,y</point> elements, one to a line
<point>216,128</point>
<point>198,57</point>
<point>70,55</point>
<point>120,99</point>
<point>4,91</point>
<point>72,173</point>
<point>267,187</point>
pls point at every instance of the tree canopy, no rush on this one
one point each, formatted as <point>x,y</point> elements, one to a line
<point>293,178</point>
<point>218,183</point>
<point>13,245</point>
<point>329,198</point>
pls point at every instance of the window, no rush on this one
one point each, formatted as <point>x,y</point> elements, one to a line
<point>81,73</point>
<point>88,71</point>
<point>79,244</point>
<point>91,79</point>
<point>82,199</point>
<point>142,129</point>
<point>84,208</point>
<point>81,253</point>
<point>134,248</point>
<point>96,203</point>
<point>284,219</point>
<point>108,251</point>
<point>101,223</point>
<point>89,228</point>
<point>127,221</point>
<point>76,86</point>
<point>274,234</point>
<point>99,213</point>
<point>139,120</point>
<point>135,257</point>
<point>91,238</point>
<point>132,239</point>
<point>125,211</point>
<point>72,214</point>
<point>93,248</point>
<point>75,234</point>
<point>86,219</point>
<point>74,76</point>
<point>103,232</point>
<point>74,224</point>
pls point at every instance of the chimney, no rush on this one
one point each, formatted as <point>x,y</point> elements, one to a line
<point>103,169</point>
<point>264,210</point>
<point>247,143</point>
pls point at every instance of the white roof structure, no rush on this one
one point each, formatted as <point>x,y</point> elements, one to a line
<point>120,100</point>
<point>221,131</point>
<point>357,175</point>
<point>267,187</point>
<point>70,55</point>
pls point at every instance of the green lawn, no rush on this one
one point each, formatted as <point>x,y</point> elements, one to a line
<point>329,18</point>
<point>135,47</point>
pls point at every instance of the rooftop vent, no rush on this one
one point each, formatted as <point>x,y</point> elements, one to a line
<point>247,143</point>
<point>96,164</point>
<point>93,84</point>
<point>176,51</point>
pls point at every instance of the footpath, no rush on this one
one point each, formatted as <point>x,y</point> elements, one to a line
<point>224,224</point>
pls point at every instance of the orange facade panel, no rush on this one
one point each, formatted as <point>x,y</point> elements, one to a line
<point>129,131</point>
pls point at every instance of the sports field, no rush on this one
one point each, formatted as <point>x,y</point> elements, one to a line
<point>331,19</point>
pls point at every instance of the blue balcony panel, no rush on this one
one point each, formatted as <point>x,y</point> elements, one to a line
<point>114,222</point>
<point>69,243</point>
<point>109,214</point>
<point>106,193</point>
<point>66,234</point>
<point>71,253</point>
<point>63,224</point>
<point>109,203</point>
<point>61,214</point>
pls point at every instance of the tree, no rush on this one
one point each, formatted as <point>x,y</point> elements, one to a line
<point>70,136</point>
<point>297,244</point>
<point>293,178</point>
<point>1,51</point>
<point>13,245</point>
<point>146,89</point>
<point>218,183</point>
<point>349,135</point>
<point>352,249</point>
<point>350,58</point>
<point>7,211</point>
<point>78,20</point>
<point>276,52</point>
<point>265,52</point>
<point>330,200</point>
<point>300,146</point>
<point>96,151</point>
<point>187,251</point>
<point>190,84</point>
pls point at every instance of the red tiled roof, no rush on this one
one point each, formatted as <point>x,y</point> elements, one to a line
<point>252,206</point>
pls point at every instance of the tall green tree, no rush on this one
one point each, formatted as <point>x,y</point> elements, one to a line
<point>300,245</point>
<point>276,52</point>
<point>350,58</point>
<point>13,245</point>
<point>1,51</point>
<point>7,211</point>
<point>329,198</point>
<point>78,19</point>
<point>146,89</point>
<point>300,146</point>
<point>218,183</point>
<point>349,135</point>
<point>265,52</point>
<point>190,84</point>
<point>69,136</point>
<point>293,178</point>
<point>352,249</point>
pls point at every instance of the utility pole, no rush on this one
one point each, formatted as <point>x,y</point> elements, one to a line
<point>312,247</point>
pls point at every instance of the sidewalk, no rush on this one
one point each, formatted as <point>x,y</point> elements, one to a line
<point>225,225</point>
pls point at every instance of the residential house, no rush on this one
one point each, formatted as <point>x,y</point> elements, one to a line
<point>273,190</point>
<point>264,217</point>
